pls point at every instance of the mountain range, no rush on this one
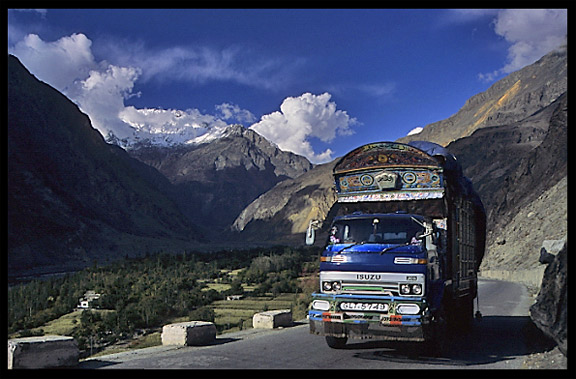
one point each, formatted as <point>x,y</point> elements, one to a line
<point>74,199</point>
<point>215,181</point>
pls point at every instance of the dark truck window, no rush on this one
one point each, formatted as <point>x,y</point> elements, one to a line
<point>375,230</point>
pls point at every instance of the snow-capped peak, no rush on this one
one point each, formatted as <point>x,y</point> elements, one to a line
<point>161,127</point>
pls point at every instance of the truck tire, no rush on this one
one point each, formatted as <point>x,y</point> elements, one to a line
<point>436,344</point>
<point>465,312</point>
<point>460,314</point>
<point>467,308</point>
<point>336,342</point>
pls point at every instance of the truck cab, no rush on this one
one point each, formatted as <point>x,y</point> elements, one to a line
<point>379,278</point>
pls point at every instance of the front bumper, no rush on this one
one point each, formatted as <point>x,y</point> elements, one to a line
<point>381,325</point>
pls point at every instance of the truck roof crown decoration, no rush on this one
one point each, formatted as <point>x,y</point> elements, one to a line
<point>389,171</point>
<point>384,155</point>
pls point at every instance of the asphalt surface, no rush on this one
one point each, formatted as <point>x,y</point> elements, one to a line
<point>499,340</point>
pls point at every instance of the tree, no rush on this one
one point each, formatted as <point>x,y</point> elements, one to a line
<point>203,314</point>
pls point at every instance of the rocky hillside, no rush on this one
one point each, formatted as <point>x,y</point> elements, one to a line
<point>511,99</point>
<point>215,181</point>
<point>283,213</point>
<point>520,172</point>
<point>72,198</point>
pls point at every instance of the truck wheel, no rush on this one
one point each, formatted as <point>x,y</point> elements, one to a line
<point>336,342</point>
<point>466,314</point>
<point>436,344</point>
<point>461,314</point>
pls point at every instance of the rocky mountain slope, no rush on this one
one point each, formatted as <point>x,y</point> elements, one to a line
<point>283,213</point>
<point>509,100</point>
<point>215,181</point>
<point>72,198</point>
<point>520,171</point>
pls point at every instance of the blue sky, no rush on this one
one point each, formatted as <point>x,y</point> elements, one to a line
<point>316,82</point>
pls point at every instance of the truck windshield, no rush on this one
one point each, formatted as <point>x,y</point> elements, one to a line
<point>375,230</point>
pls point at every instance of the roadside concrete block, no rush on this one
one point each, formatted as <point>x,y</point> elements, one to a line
<point>272,319</point>
<point>189,333</point>
<point>42,352</point>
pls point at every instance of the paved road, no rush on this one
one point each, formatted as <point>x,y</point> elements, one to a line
<point>496,341</point>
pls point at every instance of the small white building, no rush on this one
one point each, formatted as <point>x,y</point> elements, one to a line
<point>89,296</point>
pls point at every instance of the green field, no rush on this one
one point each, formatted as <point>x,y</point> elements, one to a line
<point>228,314</point>
<point>63,326</point>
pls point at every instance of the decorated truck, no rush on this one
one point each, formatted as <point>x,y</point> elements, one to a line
<point>403,248</point>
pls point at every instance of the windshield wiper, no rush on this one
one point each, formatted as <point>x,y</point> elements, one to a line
<point>348,247</point>
<point>394,247</point>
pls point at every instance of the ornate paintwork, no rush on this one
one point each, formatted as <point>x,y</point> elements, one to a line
<point>388,171</point>
<point>384,155</point>
<point>381,180</point>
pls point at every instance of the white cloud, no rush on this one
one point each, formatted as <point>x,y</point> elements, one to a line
<point>532,33</point>
<point>100,89</point>
<point>228,111</point>
<point>378,90</point>
<point>202,64</point>
<point>102,97</point>
<point>467,15</point>
<point>302,118</point>
<point>41,12</point>
<point>61,63</point>
<point>416,130</point>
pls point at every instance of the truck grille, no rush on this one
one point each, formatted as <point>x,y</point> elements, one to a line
<point>370,283</point>
<point>390,289</point>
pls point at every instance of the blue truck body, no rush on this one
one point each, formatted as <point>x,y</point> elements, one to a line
<point>402,253</point>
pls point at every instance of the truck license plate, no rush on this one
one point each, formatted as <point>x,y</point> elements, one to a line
<point>358,306</point>
<point>391,320</point>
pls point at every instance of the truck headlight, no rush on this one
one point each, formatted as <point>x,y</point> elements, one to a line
<point>336,286</point>
<point>404,289</point>
<point>410,289</point>
<point>331,286</point>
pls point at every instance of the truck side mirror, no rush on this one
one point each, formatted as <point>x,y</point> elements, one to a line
<point>311,232</point>
<point>310,235</point>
